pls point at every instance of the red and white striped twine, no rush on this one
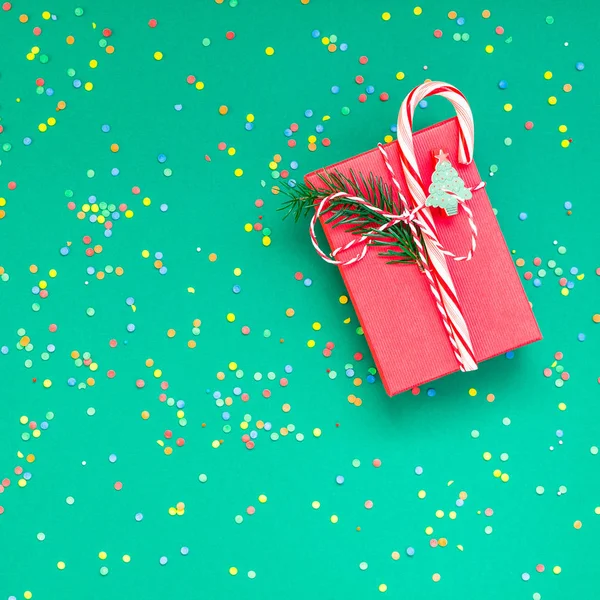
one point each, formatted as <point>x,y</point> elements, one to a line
<point>418,217</point>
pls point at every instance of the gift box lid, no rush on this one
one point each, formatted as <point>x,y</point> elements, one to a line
<point>394,304</point>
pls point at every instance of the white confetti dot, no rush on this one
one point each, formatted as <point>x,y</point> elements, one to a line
<point>539,490</point>
<point>363,566</point>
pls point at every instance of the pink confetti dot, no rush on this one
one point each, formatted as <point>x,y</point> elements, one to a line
<point>376,462</point>
<point>438,33</point>
<point>499,30</point>
<point>489,512</point>
<point>433,543</point>
<point>251,510</point>
<point>140,383</point>
<point>222,146</point>
<point>384,96</point>
<point>118,486</point>
<point>359,79</point>
<point>362,98</point>
<point>110,374</point>
<point>259,203</point>
<point>164,385</point>
<point>540,568</point>
<point>528,125</point>
<point>135,190</point>
<point>294,127</point>
<point>547,372</point>
<point>363,60</point>
<point>245,330</point>
<point>558,355</point>
<point>369,504</point>
<point>537,261</point>
<point>565,376</point>
<point>326,352</point>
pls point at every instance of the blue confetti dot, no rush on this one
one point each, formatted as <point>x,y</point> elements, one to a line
<point>288,368</point>
<point>249,126</point>
<point>537,282</point>
<point>27,141</point>
<point>410,551</point>
<point>64,251</point>
<point>568,205</point>
<point>308,282</point>
<point>44,425</point>
<point>423,104</point>
<point>573,270</point>
<point>460,21</point>
<point>180,404</point>
<point>77,83</point>
<point>105,128</point>
<point>579,66</point>
<point>114,171</point>
<point>185,550</point>
<point>316,33</point>
<point>370,89</point>
<point>502,84</point>
<point>339,479</point>
<point>236,289</point>
<point>431,392</point>
<point>308,113</point>
<point>178,107</point>
<point>294,165</point>
<point>226,416</point>
<point>161,158</point>
<point>71,381</point>
<point>510,355</point>
<point>570,285</point>
<point>344,47</point>
<point>163,270</point>
<point>112,458</point>
<point>370,379</point>
<point>349,372</point>
<point>581,337</point>
<point>49,92</point>
<point>164,207</point>
<point>129,301</point>
<point>130,327</point>
<point>254,434</point>
<point>319,128</point>
<point>419,470</point>
<point>139,517</point>
<point>523,216</point>
<point>237,391</point>
<point>163,560</point>
<point>287,132</point>
<point>335,89</point>
<point>394,128</point>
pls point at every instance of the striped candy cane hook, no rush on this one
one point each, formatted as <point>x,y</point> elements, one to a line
<point>452,315</point>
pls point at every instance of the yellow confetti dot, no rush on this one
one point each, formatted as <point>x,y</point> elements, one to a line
<point>45,15</point>
<point>564,292</point>
<point>439,514</point>
<point>238,172</point>
<point>343,299</point>
<point>262,498</point>
<point>199,85</point>
<point>577,524</point>
<point>88,86</point>
<point>562,406</point>
<point>250,118</point>
<point>27,595</point>
<point>215,444</point>
<point>325,41</point>
<point>316,432</point>
<point>562,128</point>
<point>497,473</point>
<point>230,317</point>
<point>417,10</point>
<point>552,100</point>
<point>487,456</point>
<point>429,530</point>
<point>233,571</point>
<point>436,577</point>
<point>266,241</point>
<point>565,144</point>
<point>399,75</point>
<point>145,415</point>
<point>310,343</point>
<point>382,587</point>
<point>158,55</point>
<point>421,494</point>
<point>486,14</point>
<point>51,121</point>
<point>472,392</point>
<point>489,48</point>
<point>126,558</point>
<point>316,504</point>
<point>452,514</point>
<point>60,565</point>
<point>504,477</point>
<point>556,570</point>
<point>316,326</point>
<point>237,271</point>
<point>102,555</point>
<point>548,75</point>
<point>145,254</point>
<point>248,227</point>
<point>388,138</point>
<point>93,63</point>
<point>47,383</point>
<point>42,127</point>
<point>508,107</point>
<point>597,510</point>
<point>334,518</point>
<point>269,51</point>
<point>386,16</point>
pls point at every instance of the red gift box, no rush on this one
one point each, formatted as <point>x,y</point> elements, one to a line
<point>413,339</point>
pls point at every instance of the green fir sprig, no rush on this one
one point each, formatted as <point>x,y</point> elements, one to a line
<point>399,244</point>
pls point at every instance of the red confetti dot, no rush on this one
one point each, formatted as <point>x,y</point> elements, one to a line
<point>537,261</point>
<point>89,252</point>
<point>562,281</point>
<point>358,356</point>
<point>540,568</point>
<point>118,486</point>
<point>6,6</point>
<point>259,203</point>
<point>18,470</point>
<point>110,374</point>
<point>529,125</point>
<point>258,226</point>
<point>106,32</point>
<point>164,385</point>
<point>528,275</point>
<point>245,438</point>
<point>112,343</point>
<point>180,442</point>
<point>298,276</point>
<point>363,60</point>
<point>294,127</point>
<point>245,330</point>
<point>37,31</point>
<point>32,425</point>
<point>327,352</point>
<point>52,327</point>
<point>162,397</point>
<point>1,509</point>
<point>39,81</point>
<point>598,271</point>
<point>565,376</point>
<point>558,356</point>
<point>140,383</point>
<point>384,96</point>
<point>43,293</point>
<point>359,79</point>
<point>245,397</point>
<point>251,510</point>
<point>326,142</point>
<point>285,173</point>
<point>416,391</point>
<point>230,35</point>
<point>499,30</point>
<point>1,129</point>
<point>438,33</point>
<point>250,445</point>
<point>12,185</point>
<point>362,98</point>
<point>547,372</point>
<point>377,463</point>
<point>152,23</point>
<point>191,79</point>
<point>134,190</point>
<point>123,207</point>
<point>266,393</point>
<point>168,434</point>
<point>292,143</point>
<point>6,482</point>
<point>87,239</point>
<point>283,382</point>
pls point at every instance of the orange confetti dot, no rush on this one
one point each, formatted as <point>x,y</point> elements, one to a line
<point>33,269</point>
<point>110,49</point>
<point>168,450</point>
<point>2,214</point>
<point>119,271</point>
<point>171,333</point>
<point>577,524</point>
<point>70,40</point>
<point>332,47</point>
<point>196,322</point>
<point>145,415</point>
<point>490,397</point>
<point>23,18</point>
<point>114,147</point>
<point>486,14</point>
<point>567,87</point>
<point>212,257</point>
<point>596,318</point>
<point>286,408</point>
<point>100,275</point>
<point>452,14</point>
<point>191,344</point>
<point>158,264</point>
<point>289,312</point>
<point>223,110</point>
<point>24,341</point>
<point>61,105</point>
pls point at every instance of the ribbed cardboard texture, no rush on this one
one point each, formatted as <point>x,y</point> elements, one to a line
<point>394,304</point>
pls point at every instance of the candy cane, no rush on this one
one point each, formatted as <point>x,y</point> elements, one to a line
<point>452,315</point>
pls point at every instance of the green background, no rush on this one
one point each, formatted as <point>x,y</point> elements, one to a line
<point>295,550</point>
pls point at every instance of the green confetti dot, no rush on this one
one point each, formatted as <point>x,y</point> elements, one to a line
<point>333,39</point>
<point>44,58</point>
<point>559,383</point>
<point>35,307</point>
<point>359,331</point>
<point>549,20</point>
<point>332,374</point>
<point>71,72</point>
<point>508,141</point>
<point>494,169</point>
<point>542,273</point>
<point>68,193</point>
<point>90,173</point>
<point>267,333</point>
<point>102,43</point>
<point>25,436</point>
<point>103,571</point>
<point>49,416</point>
<point>345,110</point>
<point>79,11</point>
<point>206,42</point>
<point>274,436</point>
<point>508,40</point>
<point>558,271</point>
<point>355,463</point>
<point>109,269</point>
<point>233,3</point>
<point>226,428</point>
<point>456,37</point>
<point>562,250</point>
<point>39,90</point>
<point>275,174</point>
<point>91,411</point>
<point>266,231</point>
<point>168,172</point>
<point>238,519</point>
<point>6,147</point>
<point>90,312</point>
<point>551,264</point>
<point>202,478</point>
<point>465,37</point>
